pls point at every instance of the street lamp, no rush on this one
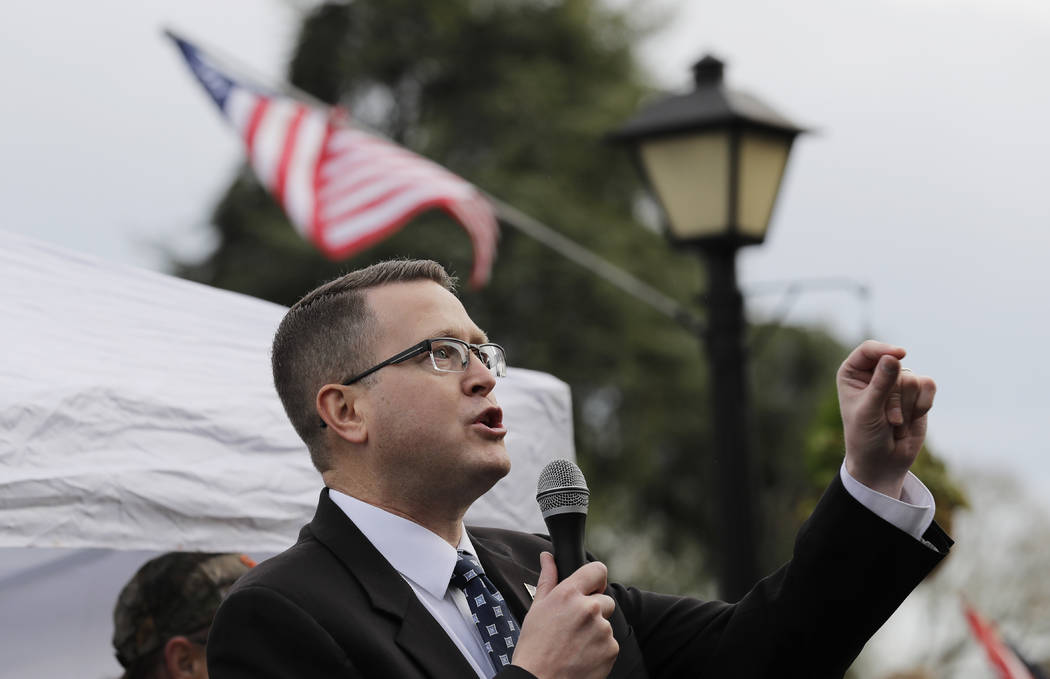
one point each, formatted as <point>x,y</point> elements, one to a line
<point>714,158</point>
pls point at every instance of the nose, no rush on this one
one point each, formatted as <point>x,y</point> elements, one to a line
<point>477,379</point>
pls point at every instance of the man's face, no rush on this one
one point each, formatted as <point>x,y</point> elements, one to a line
<point>434,433</point>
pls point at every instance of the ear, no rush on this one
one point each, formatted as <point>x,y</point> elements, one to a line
<point>184,659</point>
<point>338,407</point>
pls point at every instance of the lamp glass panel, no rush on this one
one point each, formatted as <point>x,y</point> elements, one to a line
<point>763,158</point>
<point>690,175</point>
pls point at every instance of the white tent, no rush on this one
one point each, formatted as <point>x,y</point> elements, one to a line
<point>137,415</point>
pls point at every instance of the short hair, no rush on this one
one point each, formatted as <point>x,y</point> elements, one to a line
<point>175,594</point>
<point>329,335</point>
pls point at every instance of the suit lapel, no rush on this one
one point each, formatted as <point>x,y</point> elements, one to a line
<point>507,574</point>
<point>425,640</point>
<point>420,635</point>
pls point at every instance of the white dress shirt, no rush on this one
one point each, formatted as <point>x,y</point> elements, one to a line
<point>426,561</point>
<point>913,513</point>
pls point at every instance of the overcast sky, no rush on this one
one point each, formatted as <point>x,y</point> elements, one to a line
<point>926,182</point>
<point>925,179</point>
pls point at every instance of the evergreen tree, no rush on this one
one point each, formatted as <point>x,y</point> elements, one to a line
<point>515,96</point>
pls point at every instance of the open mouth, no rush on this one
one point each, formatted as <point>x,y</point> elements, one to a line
<point>491,418</point>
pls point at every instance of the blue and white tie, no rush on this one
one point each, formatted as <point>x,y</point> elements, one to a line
<point>499,632</point>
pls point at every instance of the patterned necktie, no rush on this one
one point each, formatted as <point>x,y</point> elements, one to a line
<point>499,632</point>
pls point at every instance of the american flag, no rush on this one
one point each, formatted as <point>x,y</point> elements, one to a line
<point>343,188</point>
<point>1008,663</point>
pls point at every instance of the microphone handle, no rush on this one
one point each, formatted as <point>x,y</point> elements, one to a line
<point>566,531</point>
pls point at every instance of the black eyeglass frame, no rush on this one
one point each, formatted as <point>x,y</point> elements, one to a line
<point>426,346</point>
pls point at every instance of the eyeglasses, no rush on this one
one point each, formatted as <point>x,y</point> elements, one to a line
<point>447,355</point>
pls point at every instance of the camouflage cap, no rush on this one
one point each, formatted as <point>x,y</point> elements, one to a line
<point>175,593</point>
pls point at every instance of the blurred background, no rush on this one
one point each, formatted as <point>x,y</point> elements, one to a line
<point>919,193</point>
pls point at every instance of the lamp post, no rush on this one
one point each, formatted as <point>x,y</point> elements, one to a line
<point>714,159</point>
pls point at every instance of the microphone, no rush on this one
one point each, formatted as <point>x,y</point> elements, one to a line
<point>562,495</point>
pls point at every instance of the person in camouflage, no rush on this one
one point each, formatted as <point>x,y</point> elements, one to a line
<point>163,614</point>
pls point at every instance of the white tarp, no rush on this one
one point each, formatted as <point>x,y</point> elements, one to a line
<point>137,412</point>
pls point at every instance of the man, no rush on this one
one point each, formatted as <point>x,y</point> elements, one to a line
<point>390,384</point>
<point>163,614</point>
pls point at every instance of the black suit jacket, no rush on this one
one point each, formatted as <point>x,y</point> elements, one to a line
<point>332,606</point>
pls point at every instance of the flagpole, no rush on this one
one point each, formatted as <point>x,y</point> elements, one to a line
<point>512,216</point>
<point>596,264</point>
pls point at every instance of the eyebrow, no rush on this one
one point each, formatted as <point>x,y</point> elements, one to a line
<point>476,336</point>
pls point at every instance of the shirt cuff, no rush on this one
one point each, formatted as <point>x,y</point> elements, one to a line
<point>913,513</point>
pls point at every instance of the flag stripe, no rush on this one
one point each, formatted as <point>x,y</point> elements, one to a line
<point>300,192</point>
<point>373,218</point>
<point>258,113</point>
<point>384,168</point>
<point>361,239</point>
<point>365,193</point>
<point>281,179</point>
<point>315,230</point>
<point>240,107</point>
<point>269,139</point>
<point>366,165</point>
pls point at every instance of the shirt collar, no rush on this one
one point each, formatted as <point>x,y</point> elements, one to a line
<point>414,551</point>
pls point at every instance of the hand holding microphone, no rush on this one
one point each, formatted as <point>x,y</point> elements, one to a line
<point>566,633</point>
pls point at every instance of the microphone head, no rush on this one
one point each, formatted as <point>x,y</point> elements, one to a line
<point>561,489</point>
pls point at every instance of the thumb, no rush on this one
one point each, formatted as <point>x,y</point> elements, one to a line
<point>548,575</point>
<point>880,391</point>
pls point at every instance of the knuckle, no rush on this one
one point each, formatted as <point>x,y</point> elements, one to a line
<point>596,571</point>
